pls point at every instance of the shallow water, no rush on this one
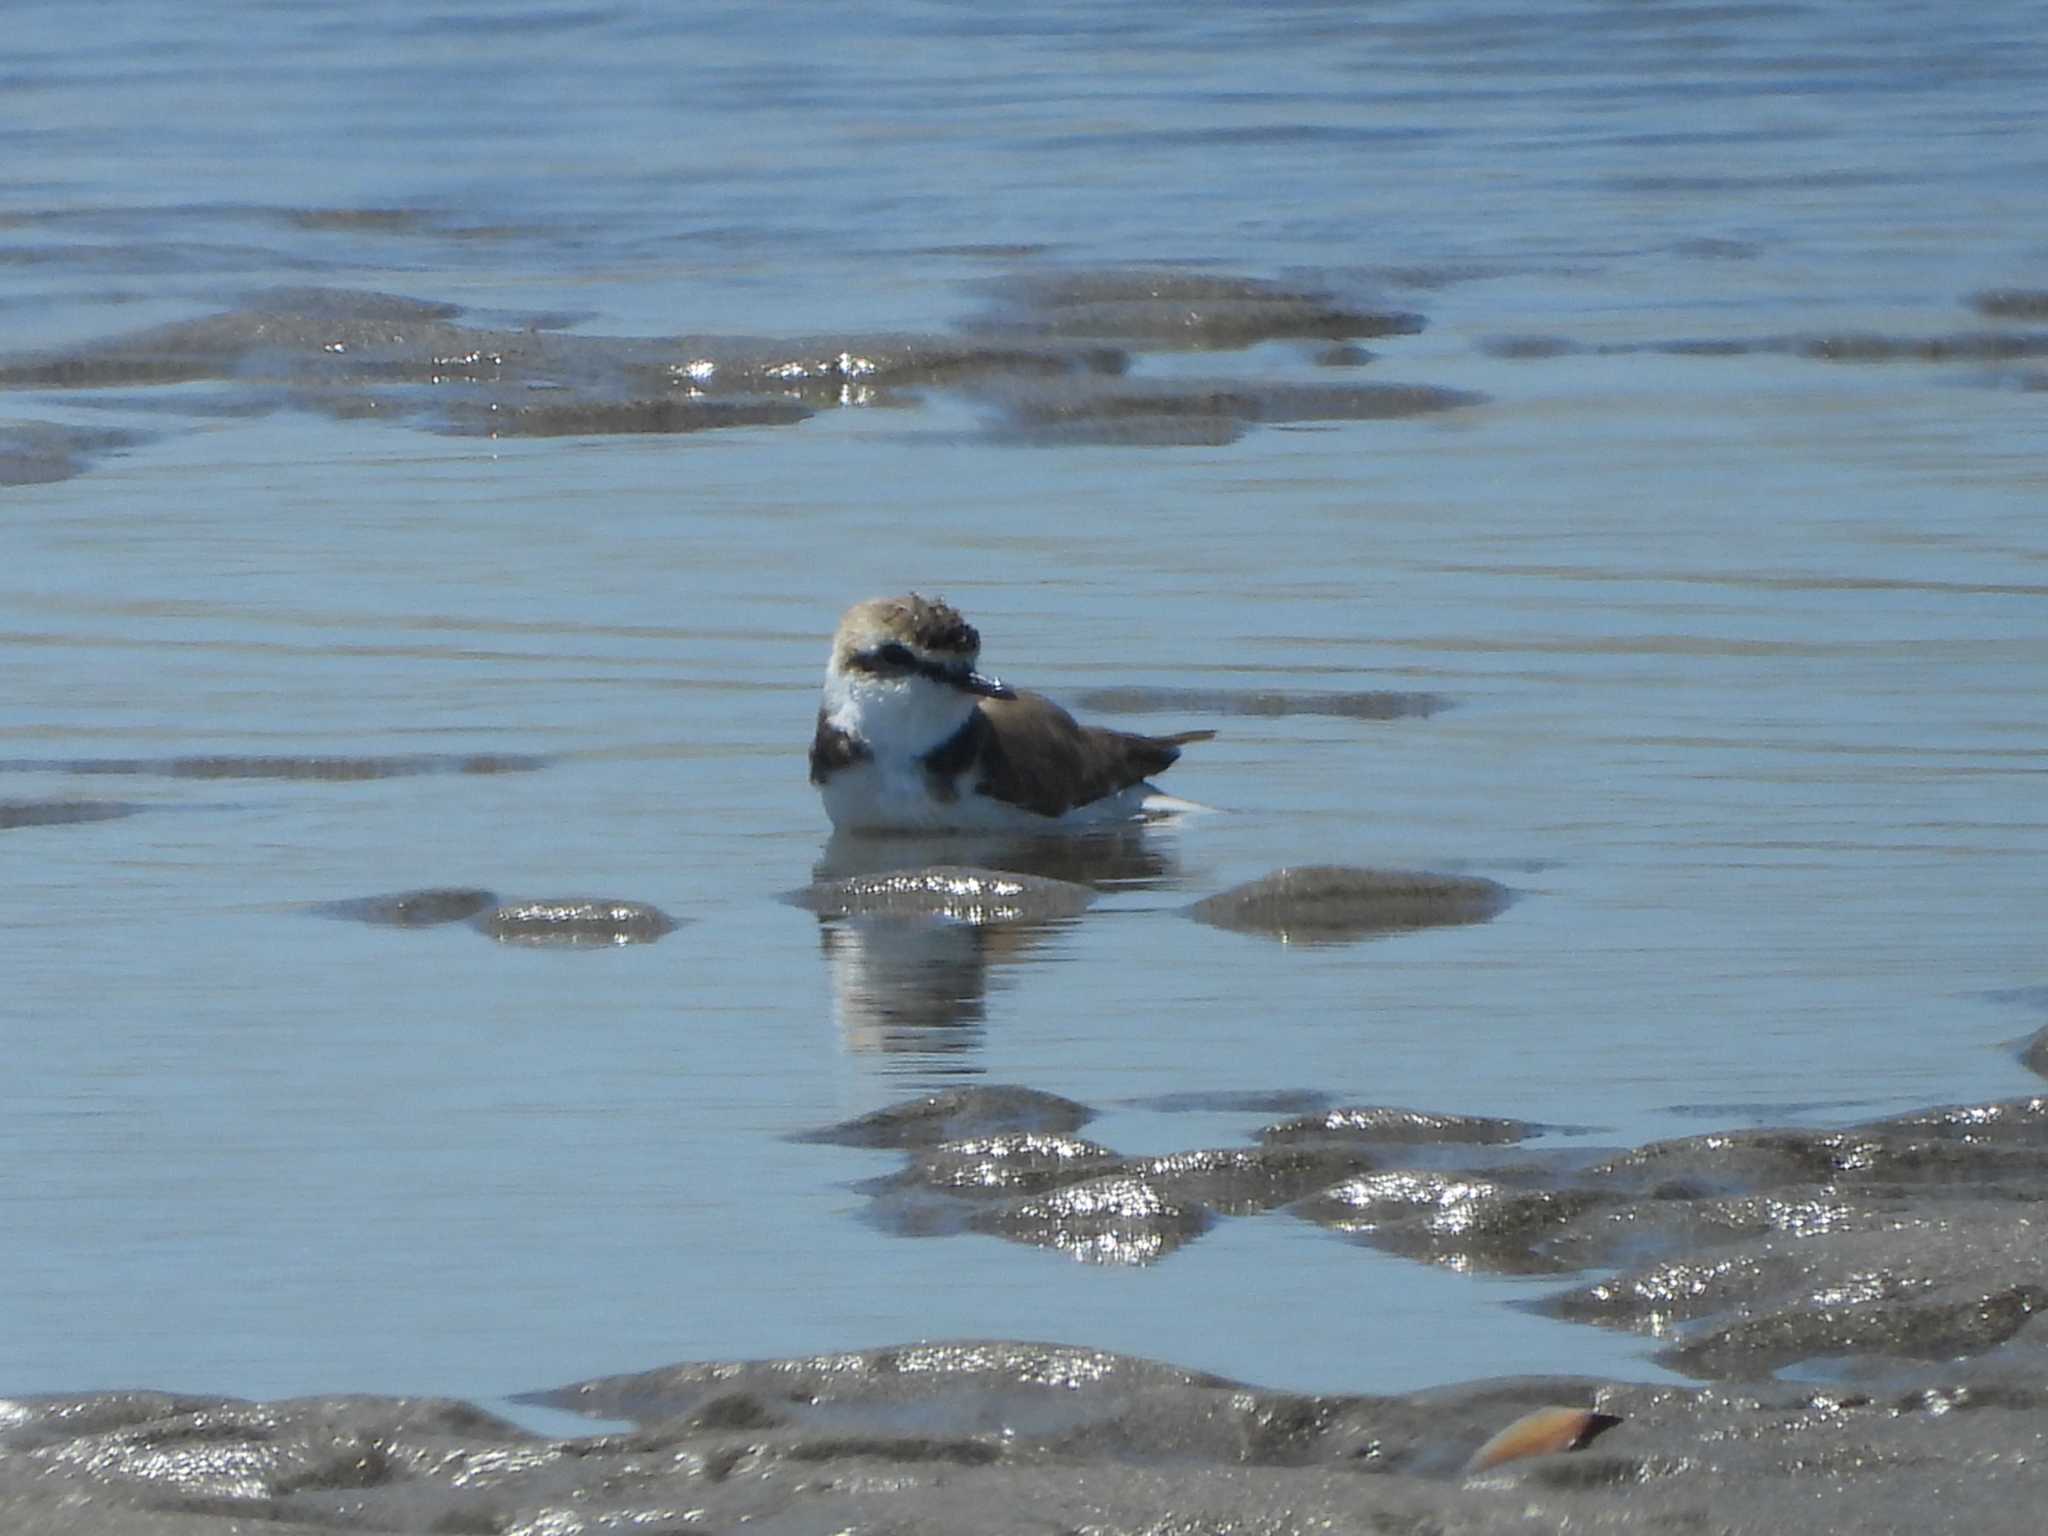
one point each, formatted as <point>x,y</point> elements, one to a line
<point>1742,654</point>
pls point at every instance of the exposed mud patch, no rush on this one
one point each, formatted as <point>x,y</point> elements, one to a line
<point>1117,857</point>
<point>2011,303</point>
<point>1378,1125</point>
<point>1961,347</point>
<point>1148,310</point>
<point>1262,702</point>
<point>1334,904</point>
<point>987,1436</point>
<point>1843,347</point>
<point>576,923</point>
<point>1004,1162</point>
<point>1279,1101</point>
<point>958,1114</point>
<point>567,922</point>
<point>359,221</point>
<point>544,418</point>
<point>1896,1241</point>
<point>1163,412</point>
<point>1899,1257</point>
<point>1049,360</point>
<point>949,891</point>
<point>339,770</point>
<point>1461,1220</point>
<point>1873,1253</point>
<point>41,452</point>
<point>61,813</point>
<point>412,909</point>
<point>357,355</point>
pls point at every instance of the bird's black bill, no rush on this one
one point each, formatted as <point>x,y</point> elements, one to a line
<point>987,687</point>
<point>895,658</point>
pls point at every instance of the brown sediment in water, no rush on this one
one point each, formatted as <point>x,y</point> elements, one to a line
<point>954,1113</point>
<point>2011,303</point>
<point>1332,903</point>
<point>360,355</point>
<point>1195,325</point>
<point>597,419</point>
<point>1149,309</point>
<point>427,908</point>
<point>1523,348</point>
<point>326,769</point>
<point>1145,412</point>
<point>1262,702</point>
<point>1714,248</point>
<point>1964,347</point>
<point>1836,347</point>
<point>374,221</point>
<point>43,452</point>
<point>1245,1101</point>
<point>570,922</point>
<point>61,813</point>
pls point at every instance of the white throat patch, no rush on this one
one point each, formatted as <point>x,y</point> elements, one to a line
<point>896,718</point>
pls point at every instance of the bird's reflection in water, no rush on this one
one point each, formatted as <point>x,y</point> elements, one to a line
<point>916,930</point>
<point>911,986</point>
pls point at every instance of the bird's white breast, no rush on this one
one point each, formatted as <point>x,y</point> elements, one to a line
<point>882,795</point>
<point>898,721</point>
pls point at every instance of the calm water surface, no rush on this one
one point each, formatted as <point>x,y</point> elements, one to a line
<point>1745,653</point>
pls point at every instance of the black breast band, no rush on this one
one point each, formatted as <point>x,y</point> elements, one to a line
<point>952,757</point>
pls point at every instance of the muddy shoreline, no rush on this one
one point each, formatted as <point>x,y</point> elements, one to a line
<point>1862,1306</point>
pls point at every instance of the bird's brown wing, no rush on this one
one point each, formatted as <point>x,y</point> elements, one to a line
<point>1032,753</point>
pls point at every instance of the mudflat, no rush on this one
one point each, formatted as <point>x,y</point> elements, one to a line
<point>1863,1307</point>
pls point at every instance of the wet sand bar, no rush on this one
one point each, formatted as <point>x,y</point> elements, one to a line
<point>1864,1304</point>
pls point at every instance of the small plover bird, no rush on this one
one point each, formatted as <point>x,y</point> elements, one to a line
<point>912,739</point>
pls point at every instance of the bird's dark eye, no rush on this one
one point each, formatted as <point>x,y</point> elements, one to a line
<point>897,655</point>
